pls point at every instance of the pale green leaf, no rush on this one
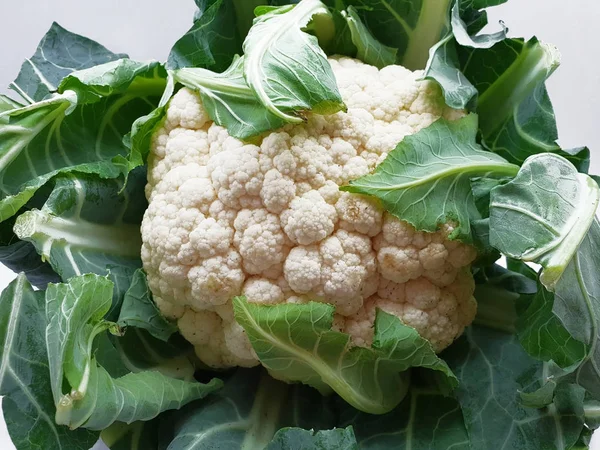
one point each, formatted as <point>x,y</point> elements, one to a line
<point>425,180</point>
<point>229,100</point>
<point>85,394</point>
<point>296,343</point>
<point>285,67</point>
<point>543,214</point>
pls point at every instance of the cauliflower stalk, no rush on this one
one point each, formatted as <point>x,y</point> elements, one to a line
<point>269,222</point>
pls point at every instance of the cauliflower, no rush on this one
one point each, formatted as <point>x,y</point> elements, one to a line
<point>269,222</point>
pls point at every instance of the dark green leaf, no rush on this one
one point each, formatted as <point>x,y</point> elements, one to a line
<point>296,343</point>
<point>21,256</point>
<point>65,134</point>
<point>139,310</point>
<point>27,404</point>
<point>299,439</point>
<point>212,41</point>
<point>492,368</point>
<point>369,49</point>
<point>138,435</point>
<point>516,115</point>
<point>59,53</point>
<point>410,26</point>
<point>246,413</point>
<point>425,180</point>
<point>425,420</point>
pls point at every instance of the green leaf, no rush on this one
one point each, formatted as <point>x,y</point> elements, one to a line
<point>229,100</point>
<point>138,435</point>
<point>59,53</point>
<point>299,439</point>
<point>285,67</point>
<point>88,225</point>
<point>543,214</point>
<point>212,41</point>
<point>66,134</point>
<point>20,256</point>
<point>27,401</point>
<point>139,310</point>
<point>246,413</point>
<point>577,305</point>
<point>498,291</point>
<point>516,115</point>
<point>425,180</point>
<point>410,26</point>
<point>296,343</point>
<point>464,25</point>
<point>369,49</point>
<point>543,335</point>
<point>492,368</point>
<point>93,398</point>
<point>123,76</point>
<point>541,398</point>
<point>425,420</point>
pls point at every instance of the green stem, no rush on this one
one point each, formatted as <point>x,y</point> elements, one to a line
<point>431,25</point>
<point>264,417</point>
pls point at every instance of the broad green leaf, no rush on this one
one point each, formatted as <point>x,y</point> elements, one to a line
<point>246,414</point>
<point>492,368</point>
<point>296,343</point>
<point>27,402</point>
<point>85,394</point>
<point>411,26</point>
<point>543,214</point>
<point>299,439</point>
<point>425,180</point>
<point>516,115</point>
<point>229,101</point>
<point>212,41</point>
<point>369,49</point>
<point>285,67</point>
<point>425,420</point>
<point>88,225</point>
<point>138,309</point>
<point>59,53</point>
<point>65,134</point>
<point>119,77</point>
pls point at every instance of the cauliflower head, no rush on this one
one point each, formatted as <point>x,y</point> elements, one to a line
<point>268,221</point>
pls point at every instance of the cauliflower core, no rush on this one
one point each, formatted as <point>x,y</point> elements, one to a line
<point>269,222</point>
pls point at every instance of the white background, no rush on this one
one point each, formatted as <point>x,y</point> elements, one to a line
<point>145,29</point>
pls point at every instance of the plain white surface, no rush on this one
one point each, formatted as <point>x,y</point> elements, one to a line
<point>146,30</point>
